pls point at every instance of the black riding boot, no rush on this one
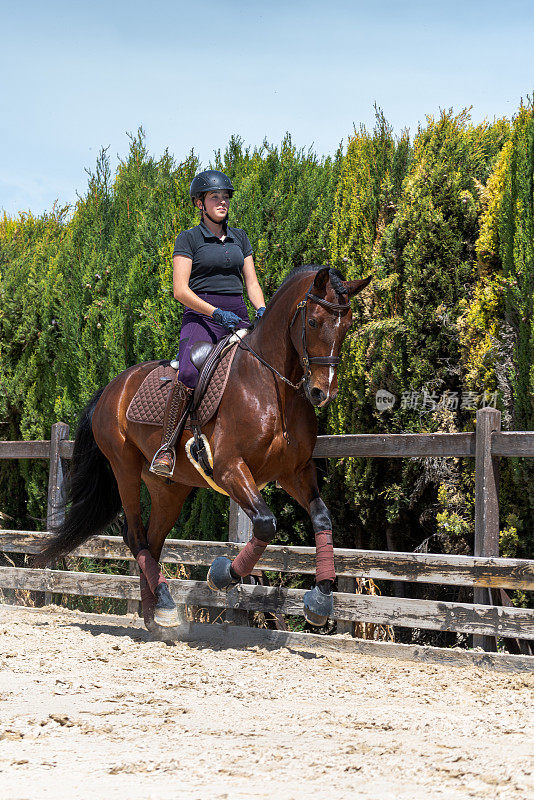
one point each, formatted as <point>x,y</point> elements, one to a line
<point>177,403</point>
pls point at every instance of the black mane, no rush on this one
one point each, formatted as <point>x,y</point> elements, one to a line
<point>336,278</point>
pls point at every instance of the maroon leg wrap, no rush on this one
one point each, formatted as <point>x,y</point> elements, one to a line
<point>150,567</point>
<point>244,563</point>
<point>147,599</point>
<point>324,556</point>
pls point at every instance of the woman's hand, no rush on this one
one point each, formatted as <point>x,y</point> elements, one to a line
<point>227,319</point>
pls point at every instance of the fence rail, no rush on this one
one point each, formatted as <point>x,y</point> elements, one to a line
<point>506,573</point>
<point>362,445</point>
<point>403,612</point>
<point>485,571</point>
<point>486,620</point>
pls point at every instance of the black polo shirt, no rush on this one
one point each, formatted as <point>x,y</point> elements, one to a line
<point>217,266</point>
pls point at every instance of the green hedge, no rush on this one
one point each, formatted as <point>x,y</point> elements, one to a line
<point>444,223</point>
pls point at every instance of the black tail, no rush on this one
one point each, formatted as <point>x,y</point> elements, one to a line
<point>91,497</point>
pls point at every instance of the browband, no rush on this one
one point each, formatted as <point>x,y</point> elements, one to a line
<point>326,303</point>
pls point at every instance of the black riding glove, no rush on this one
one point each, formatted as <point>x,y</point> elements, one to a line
<point>227,319</point>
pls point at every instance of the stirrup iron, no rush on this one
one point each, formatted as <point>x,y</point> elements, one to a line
<point>154,468</point>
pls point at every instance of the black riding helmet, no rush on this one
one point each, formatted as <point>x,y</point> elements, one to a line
<point>211,180</point>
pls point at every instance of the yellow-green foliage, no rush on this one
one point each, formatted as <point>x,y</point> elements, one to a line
<point>496,325</point>
<point>355,211</point>
<point>479,329</point>
<point>482,314</point>
<point>419,241</point>
<point>487,245</point>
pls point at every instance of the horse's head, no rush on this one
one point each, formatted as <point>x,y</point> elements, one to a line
<point>318,328</point>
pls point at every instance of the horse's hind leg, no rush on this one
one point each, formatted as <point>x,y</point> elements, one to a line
<point>166,503</point>
<point>127,463</point>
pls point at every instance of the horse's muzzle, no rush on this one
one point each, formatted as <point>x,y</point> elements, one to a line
<point>317,397</point>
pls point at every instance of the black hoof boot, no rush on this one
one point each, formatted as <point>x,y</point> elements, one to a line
<point>318,606</point>
<point>219,575</point>
<point>165,613</point>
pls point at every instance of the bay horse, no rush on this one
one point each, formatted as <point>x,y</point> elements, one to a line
<point>265,430</point>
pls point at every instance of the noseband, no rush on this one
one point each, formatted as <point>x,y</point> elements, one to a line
<point>325,361</point>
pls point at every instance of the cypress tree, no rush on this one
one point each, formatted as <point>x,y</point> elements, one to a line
<point>407,341</point>
<point>496,323</point>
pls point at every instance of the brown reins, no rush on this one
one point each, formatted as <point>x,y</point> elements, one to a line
<point>325,361</point>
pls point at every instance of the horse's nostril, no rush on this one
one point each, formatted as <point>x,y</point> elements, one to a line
<point>317,396</point>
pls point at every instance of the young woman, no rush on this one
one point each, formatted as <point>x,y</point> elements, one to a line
<point>210,264</point>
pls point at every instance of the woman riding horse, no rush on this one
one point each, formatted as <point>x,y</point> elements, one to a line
<point>265,430</point>
<point>209,264</point>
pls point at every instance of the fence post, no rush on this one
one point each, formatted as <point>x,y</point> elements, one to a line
<point>239,530</point>
<point>55,513</point>
<point>346,625</point>
<point>486,543</point>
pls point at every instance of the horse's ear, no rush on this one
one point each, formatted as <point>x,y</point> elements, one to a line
<point>321,279</point>
<point>353,287</point>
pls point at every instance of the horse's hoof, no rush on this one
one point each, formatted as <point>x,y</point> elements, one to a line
<point>165,613</point>
<point>219,575</point>
<point>318,607</point>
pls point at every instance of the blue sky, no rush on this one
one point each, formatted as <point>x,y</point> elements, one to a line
<point>79,75</point>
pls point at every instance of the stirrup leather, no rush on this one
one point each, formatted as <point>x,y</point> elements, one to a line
<point>176,412</point>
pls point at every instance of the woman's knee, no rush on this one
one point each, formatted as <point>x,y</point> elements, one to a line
<point>187,373</point>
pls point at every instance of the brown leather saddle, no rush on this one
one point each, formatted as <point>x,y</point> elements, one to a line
<point>213,362</point>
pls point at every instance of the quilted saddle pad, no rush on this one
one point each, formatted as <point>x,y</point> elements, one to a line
<point>148,404</point>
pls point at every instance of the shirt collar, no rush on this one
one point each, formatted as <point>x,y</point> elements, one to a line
<point>207,234</point>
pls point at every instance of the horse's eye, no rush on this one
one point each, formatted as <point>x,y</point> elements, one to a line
<point>312,323</point>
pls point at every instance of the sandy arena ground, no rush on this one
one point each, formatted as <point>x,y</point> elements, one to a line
<point>95,710</point>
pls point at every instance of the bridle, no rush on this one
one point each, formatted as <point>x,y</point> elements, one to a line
<point>325,361</point>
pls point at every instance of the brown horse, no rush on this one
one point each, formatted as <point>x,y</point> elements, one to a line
<point>265,430</point>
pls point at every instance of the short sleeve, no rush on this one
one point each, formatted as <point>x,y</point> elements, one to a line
<point>183,245</point>
<point>245,245</point>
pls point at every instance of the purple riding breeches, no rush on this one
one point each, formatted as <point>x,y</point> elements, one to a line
<point>200,328</point>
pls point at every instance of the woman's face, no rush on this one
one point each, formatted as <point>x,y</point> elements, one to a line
<point>216,204</point>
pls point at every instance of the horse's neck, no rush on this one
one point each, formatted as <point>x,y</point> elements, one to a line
<point>272,341</point>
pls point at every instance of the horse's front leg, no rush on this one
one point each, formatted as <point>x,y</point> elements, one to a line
<point>236,479</point>
<point>318,602</point>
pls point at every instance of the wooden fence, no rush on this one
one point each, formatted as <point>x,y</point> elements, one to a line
<point>485,620</point>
